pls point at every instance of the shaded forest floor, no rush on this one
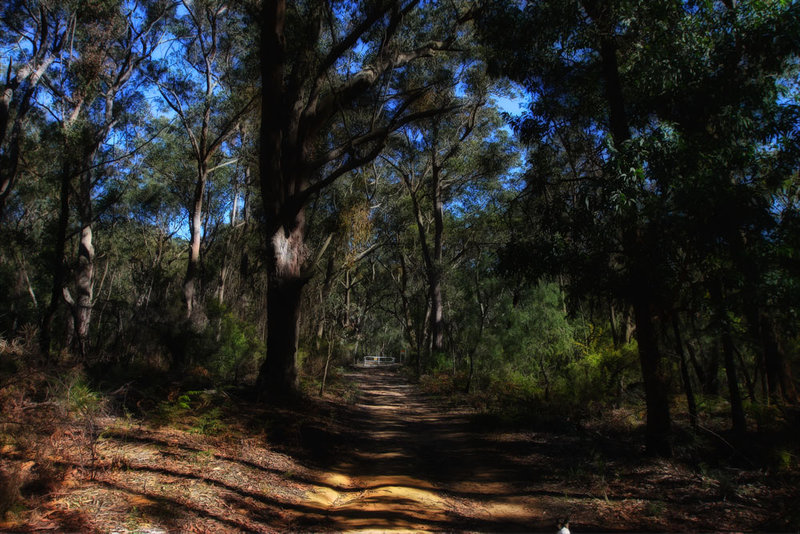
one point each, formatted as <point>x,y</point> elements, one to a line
<point>390,458</point>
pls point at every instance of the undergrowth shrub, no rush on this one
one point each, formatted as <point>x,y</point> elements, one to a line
<point>199,412</point>
<point>312,360</point>
<point>602,373</point>
<point>438,383</point>
<point>228,347</point>
<point>51,418</point>
<point>10,484</point>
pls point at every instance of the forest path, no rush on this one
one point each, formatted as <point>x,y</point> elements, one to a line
<point>407,465</point>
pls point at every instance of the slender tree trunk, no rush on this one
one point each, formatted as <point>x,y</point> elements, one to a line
<point>712,370</point>
<point>21,287</point>
<point>698,369</point>
<point>437,306</point>
<point>749,383</point>
<point>630,327</point>
<point>99,322</point>
<point>8,165</point>
<point>408,325</point>
<point>775,367</point>
<point>687,383</point>
<point>737,409</point>
<point>425,338</point>
<point>195,227</point>
<point>735,397</point>
<point>482,307</point>
<point>347,288</point>
<point>434,310</point>
<point>327,364</point>
<point>613,322</point>
<point>58,264</point>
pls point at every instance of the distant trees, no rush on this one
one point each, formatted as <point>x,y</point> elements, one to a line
<point>445,160</point>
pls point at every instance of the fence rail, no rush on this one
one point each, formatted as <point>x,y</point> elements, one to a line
<point>374,361</point>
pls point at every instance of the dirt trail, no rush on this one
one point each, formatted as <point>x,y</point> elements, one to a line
<point>410,466</point>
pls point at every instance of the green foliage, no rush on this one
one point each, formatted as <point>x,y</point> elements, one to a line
<point>535,355</point>
<point>73,393</point>
<point>533,341</point>
<point>228,347</point>
<point>239,349</point>
<point>602,373</point>
<point>82,399</point>
<point>201,412</point>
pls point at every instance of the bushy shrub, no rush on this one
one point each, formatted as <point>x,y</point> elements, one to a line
<point>228,347</point>
<point>531,345</point>
<point>313,358</point>
<point>534,357</point>
<point>603,373</point>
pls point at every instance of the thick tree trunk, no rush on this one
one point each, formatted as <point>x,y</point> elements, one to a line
<point>297,105</point>
<point>84,283</point>
<point>658,430</point>
<point>84,275</point>
<point>277,379</point>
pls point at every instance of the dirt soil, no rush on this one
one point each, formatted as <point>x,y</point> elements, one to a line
<point>393,461</point>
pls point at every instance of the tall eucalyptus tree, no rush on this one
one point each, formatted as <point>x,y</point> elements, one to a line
<point>201,81</point>
<point>332,93</point>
